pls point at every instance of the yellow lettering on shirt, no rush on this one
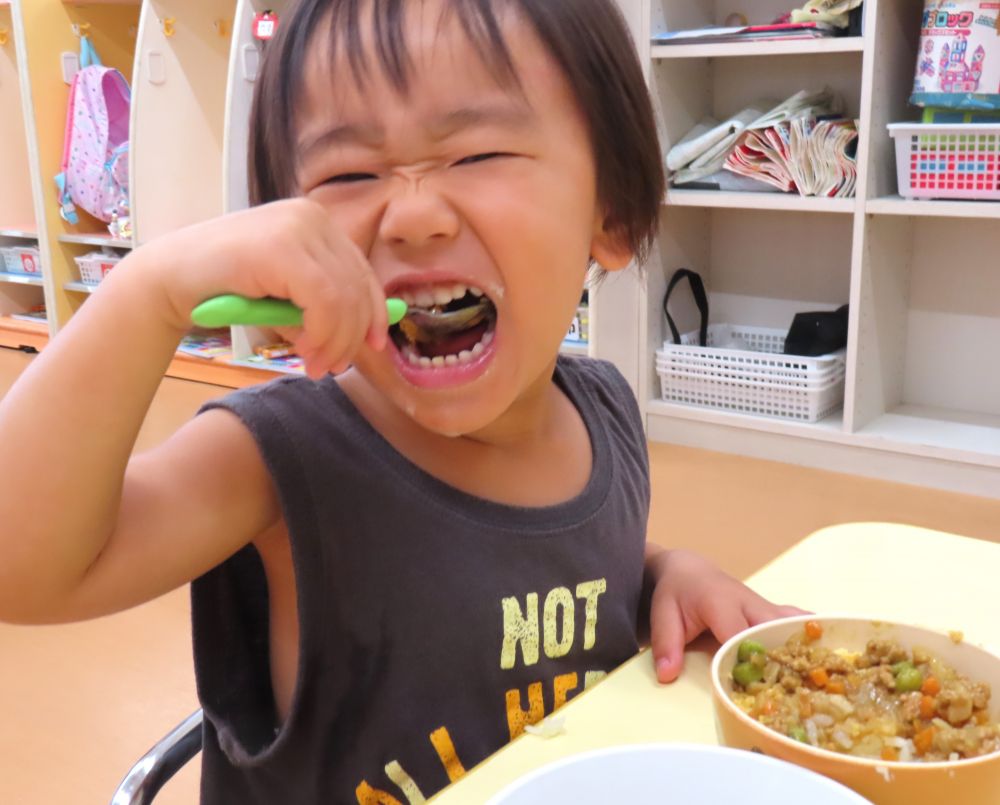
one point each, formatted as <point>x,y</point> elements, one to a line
<point>556,644</point>
<point>372,796</point>
<point>591,590</point>
<point>396,773</point>
<point>446,751</point>
<point>562,685</point>
<point>518,718</point>
<point>592,678</point>
<point>519,628</point>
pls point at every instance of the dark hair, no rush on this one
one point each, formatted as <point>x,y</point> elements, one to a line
<point>588,39</point>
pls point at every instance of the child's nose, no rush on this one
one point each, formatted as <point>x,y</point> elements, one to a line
<point>416,215</point>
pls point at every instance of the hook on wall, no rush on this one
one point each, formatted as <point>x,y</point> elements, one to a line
<point>4,36</point>
<point>220,27</point>
<point>81,29</point>
<point>167,24</point>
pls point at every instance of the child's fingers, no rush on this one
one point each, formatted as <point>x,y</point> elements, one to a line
<point>725,618</point>
<point>761,611</point>
<point>667,638</point>
<point>337,351</point>
<point>378,330</point>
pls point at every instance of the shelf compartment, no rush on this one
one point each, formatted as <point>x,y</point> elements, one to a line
<point>928,312</point>
<point>722,50</point>
<point>96,239</point>
<point>678,197</point>
<point>897,205</point>
<point>16,200</point>
<point>179,78</point>
<point>938,433</point>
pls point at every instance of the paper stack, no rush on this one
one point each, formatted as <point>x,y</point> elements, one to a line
<point>814,157</point>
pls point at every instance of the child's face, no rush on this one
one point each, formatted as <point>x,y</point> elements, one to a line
<point>460,184</point>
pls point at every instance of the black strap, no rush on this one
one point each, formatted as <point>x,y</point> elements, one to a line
<point>700,298</point>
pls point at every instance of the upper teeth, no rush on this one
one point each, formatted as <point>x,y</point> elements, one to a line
<point>438,295</point>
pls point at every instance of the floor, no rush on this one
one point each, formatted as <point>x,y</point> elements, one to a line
<point>82,702</point>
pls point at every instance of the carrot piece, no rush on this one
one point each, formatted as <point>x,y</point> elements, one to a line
<point>835,686</point>
<point>923,740</point>
<point>931,686</point>
<point>768,707</point>
<point>819,677</point>
<point>928,707</point>
<point>890,753</point>
<point>813,630</point>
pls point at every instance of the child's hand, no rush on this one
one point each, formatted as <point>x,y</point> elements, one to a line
<point>289,250</point>
<point>690,594</point>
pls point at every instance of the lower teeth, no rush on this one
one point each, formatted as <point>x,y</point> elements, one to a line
<point>441,361</point>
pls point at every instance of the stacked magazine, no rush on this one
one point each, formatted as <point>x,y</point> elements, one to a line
<point>803,144</point>
<point>812,156</point>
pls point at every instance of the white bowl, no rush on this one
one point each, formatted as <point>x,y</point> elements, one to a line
<point>674,774</point>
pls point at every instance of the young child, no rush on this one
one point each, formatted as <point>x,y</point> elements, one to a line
<point>394,569</point>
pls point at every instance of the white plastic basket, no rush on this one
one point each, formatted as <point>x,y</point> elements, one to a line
<point>760,380</point>
<point>95,266</point>
<point>22,260</point>
<point>948,160</point>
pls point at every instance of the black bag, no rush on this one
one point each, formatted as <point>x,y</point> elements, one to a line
<point>818,333</point>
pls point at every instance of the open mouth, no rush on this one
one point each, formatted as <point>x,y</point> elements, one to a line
<point>447,325</point>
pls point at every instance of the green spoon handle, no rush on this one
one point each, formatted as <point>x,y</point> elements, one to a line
<point>231,310</point>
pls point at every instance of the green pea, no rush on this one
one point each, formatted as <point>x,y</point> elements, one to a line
<point>909,679</point>
<point>798,733</point>
<point>746,673</point>
<point>899,666</point>
<point>748,648</point>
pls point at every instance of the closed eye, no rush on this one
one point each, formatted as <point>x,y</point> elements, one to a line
<point>349,178</point>
<point>482,157</point>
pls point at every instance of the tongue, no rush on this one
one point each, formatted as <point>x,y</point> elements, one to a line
<point>453,344</point>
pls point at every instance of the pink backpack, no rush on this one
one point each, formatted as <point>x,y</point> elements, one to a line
<point>95,154</point>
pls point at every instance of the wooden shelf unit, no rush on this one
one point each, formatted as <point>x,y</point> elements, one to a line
<point>922,402</point>
<point>18,221</point>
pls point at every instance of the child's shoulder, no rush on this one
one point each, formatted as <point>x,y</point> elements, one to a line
<point>595,374</point>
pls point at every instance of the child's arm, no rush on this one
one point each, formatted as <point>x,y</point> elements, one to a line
<point>86,530</point>
<point>688,595</point>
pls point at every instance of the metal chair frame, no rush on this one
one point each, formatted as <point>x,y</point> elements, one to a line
<point>159,764</point>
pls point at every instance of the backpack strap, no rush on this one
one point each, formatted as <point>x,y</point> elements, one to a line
<point>88,54</point>
<point>67,209</point>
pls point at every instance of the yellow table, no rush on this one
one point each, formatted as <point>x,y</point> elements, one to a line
<point>888,571</point>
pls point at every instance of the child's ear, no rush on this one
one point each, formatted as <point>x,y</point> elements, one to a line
<point>609,247</point>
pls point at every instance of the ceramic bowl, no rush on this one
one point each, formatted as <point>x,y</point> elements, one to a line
<point>974,781</point>
<point>673,774</point>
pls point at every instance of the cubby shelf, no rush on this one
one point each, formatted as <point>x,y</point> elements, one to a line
<point>758,49</point>
<point>20,279</point>
<point>922,389</point>
<point>757,201</point>
<point>96,240</point>
<point>896,205</point>
<point>80,287</point>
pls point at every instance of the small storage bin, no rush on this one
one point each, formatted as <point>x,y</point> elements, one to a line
<point>95,266</point>
<point>948,160</point>
<point>758,380</point>
<point>23,260</point>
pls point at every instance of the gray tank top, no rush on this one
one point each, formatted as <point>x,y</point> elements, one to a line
<point>434,625</point>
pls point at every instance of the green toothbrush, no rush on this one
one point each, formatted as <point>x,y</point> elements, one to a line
<point>230,310</point>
